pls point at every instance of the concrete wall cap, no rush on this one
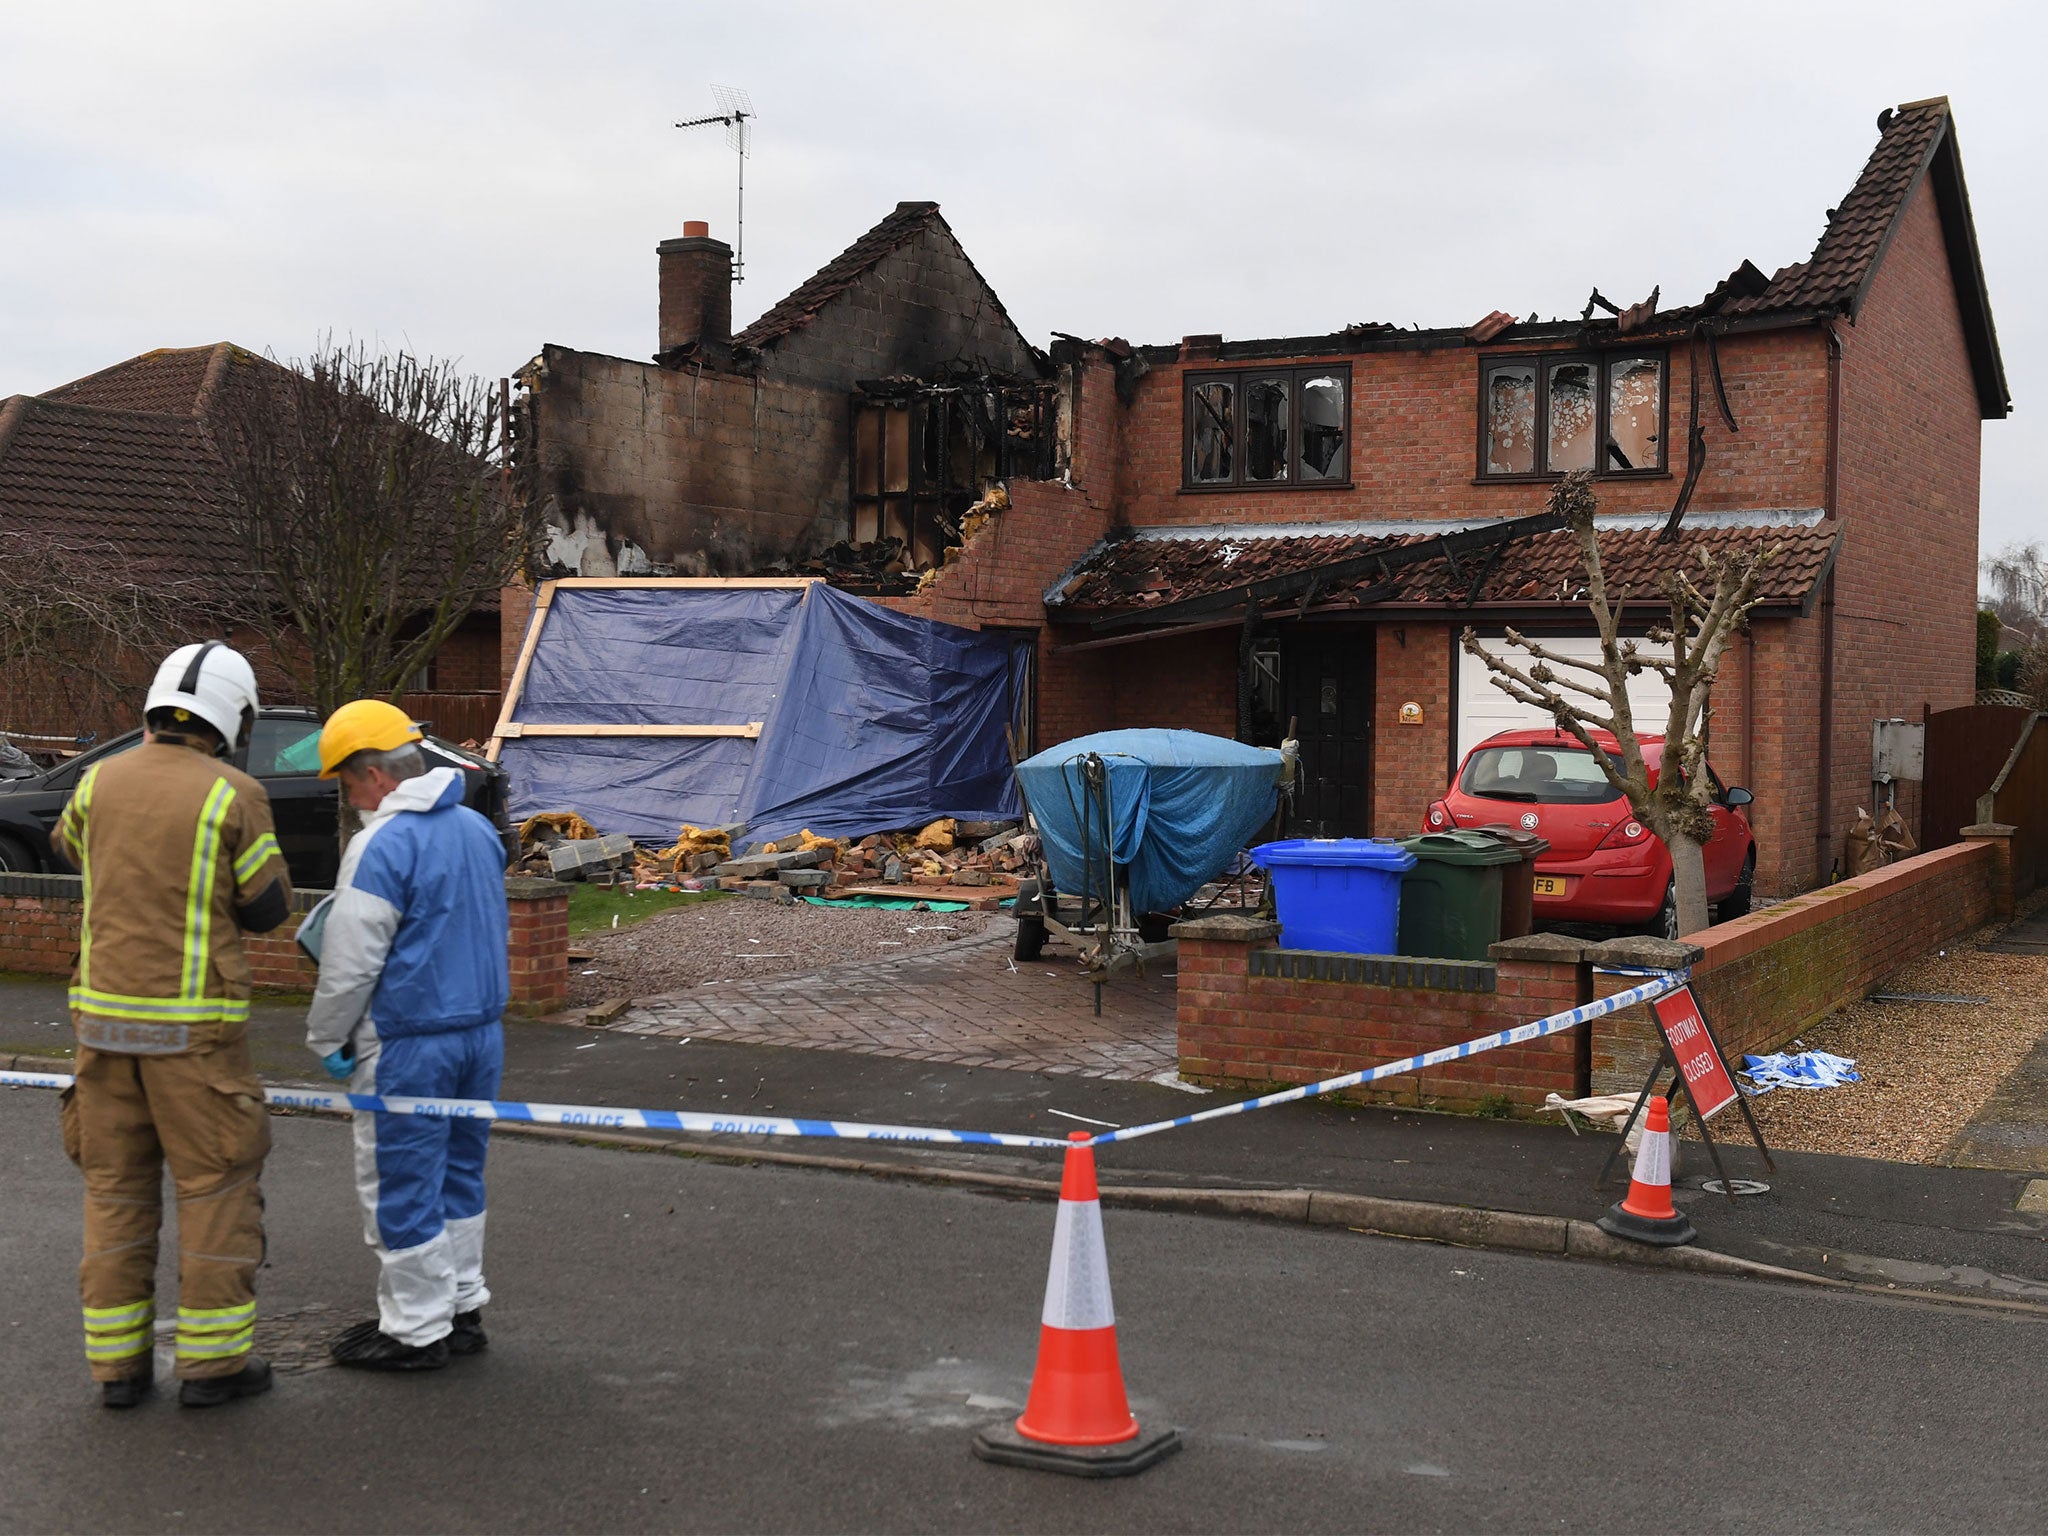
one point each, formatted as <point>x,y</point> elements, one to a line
<point>1652,954</point>
<point>1991,829</point>
<point>1227,928</point>
<point>1541,949</point>
<point>533,888</point>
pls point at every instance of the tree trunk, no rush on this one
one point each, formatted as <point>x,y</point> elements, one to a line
<point>1689,877</point>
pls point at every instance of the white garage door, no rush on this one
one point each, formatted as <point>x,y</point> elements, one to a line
<point>1483,709</point>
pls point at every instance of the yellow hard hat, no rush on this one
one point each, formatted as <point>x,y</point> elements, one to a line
<point>367,725</point>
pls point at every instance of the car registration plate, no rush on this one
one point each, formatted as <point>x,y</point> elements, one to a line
<point>1550,885</point>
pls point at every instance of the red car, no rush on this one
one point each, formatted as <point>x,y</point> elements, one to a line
<point>1603,866</point>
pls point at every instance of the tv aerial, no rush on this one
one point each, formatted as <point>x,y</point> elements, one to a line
<point>736,112</point>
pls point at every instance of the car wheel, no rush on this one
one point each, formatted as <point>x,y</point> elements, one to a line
<point>1665,924</point>
<point>1736,903</point>
<point>15,859</point>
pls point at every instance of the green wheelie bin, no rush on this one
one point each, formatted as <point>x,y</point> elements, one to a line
<point>1450,900</point>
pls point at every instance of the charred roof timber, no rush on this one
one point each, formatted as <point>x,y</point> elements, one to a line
<point>1916,145</point>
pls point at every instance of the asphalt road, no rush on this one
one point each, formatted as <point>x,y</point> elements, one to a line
<point>685,1346</point>
<point>1819,1204</point>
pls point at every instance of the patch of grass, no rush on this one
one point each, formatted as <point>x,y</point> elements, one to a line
<point>1496,1106</point>
<point>592,907</point>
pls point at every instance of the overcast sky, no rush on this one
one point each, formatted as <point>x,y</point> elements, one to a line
<point>473,180</point>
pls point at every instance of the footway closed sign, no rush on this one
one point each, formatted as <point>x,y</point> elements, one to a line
<point>1707,1082</point>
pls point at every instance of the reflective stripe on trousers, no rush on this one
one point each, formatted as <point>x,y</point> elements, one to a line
<point>114,1335</point>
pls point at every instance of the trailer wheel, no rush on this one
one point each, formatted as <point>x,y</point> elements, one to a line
<point>1030,937</point>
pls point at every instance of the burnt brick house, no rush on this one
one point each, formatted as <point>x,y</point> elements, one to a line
<point>120,466</point>
<point>1251,531</point>
<point>872,404</point>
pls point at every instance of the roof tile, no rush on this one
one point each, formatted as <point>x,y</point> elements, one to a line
<point>170,381</point>
<point>1138,573</point>
<point>795,310</point>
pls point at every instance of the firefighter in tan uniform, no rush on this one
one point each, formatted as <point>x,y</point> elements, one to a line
<point>179,858</point>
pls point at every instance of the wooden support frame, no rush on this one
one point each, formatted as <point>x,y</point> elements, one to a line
<point>518,729</point>
<point>508,729</point>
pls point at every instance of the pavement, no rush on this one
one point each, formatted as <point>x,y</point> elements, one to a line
<point>679,1346</point>
<point>1969,1232</point>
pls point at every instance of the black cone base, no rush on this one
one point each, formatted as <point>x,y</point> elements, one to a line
<point>1658,1231</point>
<point>1003,1444</point>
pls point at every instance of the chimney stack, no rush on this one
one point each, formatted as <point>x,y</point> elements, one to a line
<point>696,289</point>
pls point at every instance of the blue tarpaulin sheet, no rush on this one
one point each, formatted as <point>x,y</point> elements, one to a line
<point>1181,803</point>
<point>870,719</point>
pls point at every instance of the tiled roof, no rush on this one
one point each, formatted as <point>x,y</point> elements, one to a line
<point>1842,263</point>
<point>138,481</point>
<point>169,381</point>
<point>1134,574</point>
<point>794,310</point>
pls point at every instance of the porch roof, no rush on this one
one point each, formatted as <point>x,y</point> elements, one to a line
<point>1191,575</point>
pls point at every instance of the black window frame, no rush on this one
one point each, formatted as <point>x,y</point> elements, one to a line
<point>1296,375</point>
<point>1543,362</point>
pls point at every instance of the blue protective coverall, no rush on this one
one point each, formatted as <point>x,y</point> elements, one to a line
<point>413,970</point>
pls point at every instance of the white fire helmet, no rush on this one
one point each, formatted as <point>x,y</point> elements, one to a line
<point>211,680</point>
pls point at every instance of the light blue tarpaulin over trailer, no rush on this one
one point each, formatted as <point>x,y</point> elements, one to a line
<point>1181,803</point>
<point>870,719</point>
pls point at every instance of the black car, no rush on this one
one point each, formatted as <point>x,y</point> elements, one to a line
<point>284,754</point>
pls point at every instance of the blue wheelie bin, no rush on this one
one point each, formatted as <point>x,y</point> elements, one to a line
<point>1337,893</point>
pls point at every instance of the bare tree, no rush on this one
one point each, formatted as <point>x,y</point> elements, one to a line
<point>77,620</point>
<point>1593,696</point>
<point>2018,578</point>
<point>368,513</point>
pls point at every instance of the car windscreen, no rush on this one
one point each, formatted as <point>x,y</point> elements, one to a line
<point>1538,775</point>
<point>280,746</point>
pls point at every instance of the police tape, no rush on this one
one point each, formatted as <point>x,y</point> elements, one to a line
<point>1556,1023</point>
<point>603,1117</point>
<point>595,1116</point>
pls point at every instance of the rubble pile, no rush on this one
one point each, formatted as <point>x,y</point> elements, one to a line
<point>974,862</point>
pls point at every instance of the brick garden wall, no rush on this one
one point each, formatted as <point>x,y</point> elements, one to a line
<point>39,917</point>
<point>1252,1016</point>
<point>1766,977</point>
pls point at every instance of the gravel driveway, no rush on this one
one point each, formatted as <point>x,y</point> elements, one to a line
<point>1927,1067</point>
<point>740,937</point>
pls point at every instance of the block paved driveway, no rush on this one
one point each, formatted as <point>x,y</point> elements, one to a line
<point>967,1003</point>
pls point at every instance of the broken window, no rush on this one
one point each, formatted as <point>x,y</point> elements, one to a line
<point>1265,428</point>
<point>1511,420</point>
<point>923,454</point>
<point>1269,428</point>
<point>1212,432</point>
<point>1548,415</point>
<point>1322,428</point>
<point>1635,401</point>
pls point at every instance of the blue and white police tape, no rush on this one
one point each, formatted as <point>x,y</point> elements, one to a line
<point>603,1117</point>
<point>1557,1023</point>
<point>595,1116</point>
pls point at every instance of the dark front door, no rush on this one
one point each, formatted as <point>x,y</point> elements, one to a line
<point>1328,686</point>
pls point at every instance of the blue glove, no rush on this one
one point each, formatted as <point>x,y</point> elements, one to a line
<point>340,1064</point>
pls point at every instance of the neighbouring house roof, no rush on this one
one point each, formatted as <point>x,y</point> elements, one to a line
<point>170,381</point>
<point>123,460</point>
<point>800,305</point>
<point>140,482</point>
<point>1128,576</point>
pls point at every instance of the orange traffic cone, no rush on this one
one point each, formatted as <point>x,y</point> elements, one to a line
<point>1077,1419</point>
<point>1647,1215</point>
